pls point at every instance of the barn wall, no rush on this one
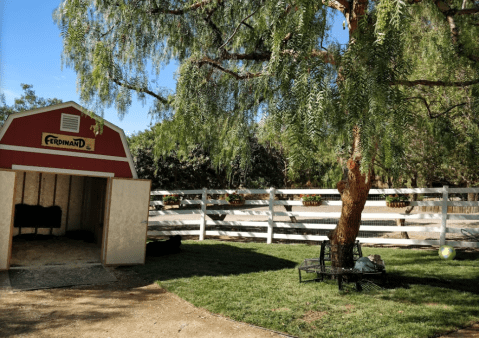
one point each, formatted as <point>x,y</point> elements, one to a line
<point>76,203</point>
<point>94,206</point>
<point>109,154</point>
<point>62,194</point>
<point>80,198</point>
<point>8,158</point>
<point>107,143</point>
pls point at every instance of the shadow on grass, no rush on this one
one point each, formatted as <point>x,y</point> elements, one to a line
<point>464,255</point>
<point>209,260</point>
<point>400,280</point>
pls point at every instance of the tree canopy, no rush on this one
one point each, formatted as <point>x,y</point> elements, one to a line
<point>241,61</point>
<point>277,62</point>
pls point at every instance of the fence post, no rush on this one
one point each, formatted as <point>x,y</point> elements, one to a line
<point>269,238</point>
<point>203,216</point>
<point>445,197</point>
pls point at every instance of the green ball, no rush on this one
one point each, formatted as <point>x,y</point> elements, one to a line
<point>447,252</point>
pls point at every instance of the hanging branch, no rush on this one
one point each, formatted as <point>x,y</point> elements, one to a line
<point>182,11</point>
<point>237,27</point>
<point>225,70</point>
<point>341,5</point>
<point>139,89</point>
<point>435,83</point>
<point>429,112</point>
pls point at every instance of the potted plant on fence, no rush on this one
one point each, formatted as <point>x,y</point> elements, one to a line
<point>311,200</point>
<point>171,200</point>
<point>235,199</point>
<point>396,201</point>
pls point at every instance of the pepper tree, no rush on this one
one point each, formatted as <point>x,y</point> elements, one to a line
<point>275,61</point>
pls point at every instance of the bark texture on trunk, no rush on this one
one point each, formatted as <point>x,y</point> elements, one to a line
<point>354,189</point>
<point>354,193</point>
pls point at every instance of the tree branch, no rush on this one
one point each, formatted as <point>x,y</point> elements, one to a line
<point>340,5</point>
<point>217,32</point>
<point>182,11</point>
<point>449,13</point>
<point>448,110</point>
<point>429,113</point>
<point>225,70</point>
<point>236,30</point>
<point>265,56</point>
<point>325,55</point>
<point>142,90</point>
<point>467,11</point>
<point>434,83</point>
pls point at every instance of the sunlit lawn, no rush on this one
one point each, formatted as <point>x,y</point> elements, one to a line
<point>258,284</point>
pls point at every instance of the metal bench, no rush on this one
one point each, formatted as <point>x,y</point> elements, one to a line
<point>319,267</point>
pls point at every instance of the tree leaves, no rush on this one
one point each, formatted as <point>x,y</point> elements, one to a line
<point>242,62</point>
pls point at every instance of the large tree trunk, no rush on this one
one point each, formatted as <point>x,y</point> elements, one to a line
<point>354,189</point>
<point>354,193</point>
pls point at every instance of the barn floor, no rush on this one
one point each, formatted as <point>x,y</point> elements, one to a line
<point>52,250</point>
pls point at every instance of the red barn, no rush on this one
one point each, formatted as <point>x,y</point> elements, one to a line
<point>61,139</point>
<point>59,178</point>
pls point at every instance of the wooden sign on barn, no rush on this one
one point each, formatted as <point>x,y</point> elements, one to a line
<point>68,194</point>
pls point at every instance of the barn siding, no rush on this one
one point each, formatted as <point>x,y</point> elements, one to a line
<point>107,143</point>
<point>25,130</point>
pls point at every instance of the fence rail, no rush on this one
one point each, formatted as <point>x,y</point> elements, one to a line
<point>157,227</point>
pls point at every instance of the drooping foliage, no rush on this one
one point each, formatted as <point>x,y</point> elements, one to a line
<point>242,61</point>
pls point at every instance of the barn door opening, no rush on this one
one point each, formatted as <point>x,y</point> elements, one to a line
<point>127,219</point>
<point>58,219</point>
<point>7,192</point>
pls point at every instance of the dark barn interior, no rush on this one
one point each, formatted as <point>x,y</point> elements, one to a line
<point>58,219</point>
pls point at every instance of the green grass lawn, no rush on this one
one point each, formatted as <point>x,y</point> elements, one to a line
<point>258,284</point>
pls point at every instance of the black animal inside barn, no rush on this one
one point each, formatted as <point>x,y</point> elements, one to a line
<point>36,216</point>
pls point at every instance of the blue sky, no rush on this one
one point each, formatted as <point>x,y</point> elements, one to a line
<point>30,52</point>
<point>31,49</point>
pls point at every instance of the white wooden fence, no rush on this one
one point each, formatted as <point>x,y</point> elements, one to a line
<point>271,224</point>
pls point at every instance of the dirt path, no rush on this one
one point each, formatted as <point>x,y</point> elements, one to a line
<point>470,332</point>
<point>127,308</point>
